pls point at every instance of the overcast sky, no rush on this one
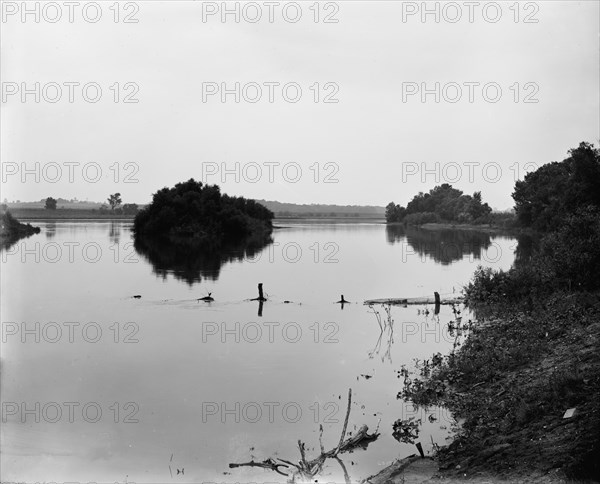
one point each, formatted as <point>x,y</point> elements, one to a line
<point>372,145</point>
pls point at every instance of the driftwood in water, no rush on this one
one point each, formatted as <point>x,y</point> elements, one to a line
<point>265,464</point>
<point>436,299</point>
<point>307,469</point>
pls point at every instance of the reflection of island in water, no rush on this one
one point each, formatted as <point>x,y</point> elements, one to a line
<point>190,261</point>
<point>444,246</point>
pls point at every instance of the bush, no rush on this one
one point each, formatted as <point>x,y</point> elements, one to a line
<point>567,259</point>
<point>191,209</point>
<point>421,218</point>
<point>574,250</point>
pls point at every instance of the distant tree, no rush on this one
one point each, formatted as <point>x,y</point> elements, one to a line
<point>130,208</point>
<point>50,203</point>
<point>114,200</point>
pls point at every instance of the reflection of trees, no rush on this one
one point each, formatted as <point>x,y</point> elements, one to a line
<point>191,261</point>
<point>50,230</point>
<point>528,244</point>
<point>444,246</point>
<point>114,232</point>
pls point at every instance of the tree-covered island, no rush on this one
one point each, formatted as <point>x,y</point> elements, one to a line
<point>192,212</point>
<point>442,204</point>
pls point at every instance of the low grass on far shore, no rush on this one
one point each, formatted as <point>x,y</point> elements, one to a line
<point>65,214</point>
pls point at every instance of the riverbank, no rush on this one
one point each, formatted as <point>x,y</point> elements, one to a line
<point>66,214</point>
<point>526,385</point>
<point>495,229</point>
<point>417,470</point>
<point>12,230</point>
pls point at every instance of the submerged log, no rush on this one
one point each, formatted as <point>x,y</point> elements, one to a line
<point>449,299</point>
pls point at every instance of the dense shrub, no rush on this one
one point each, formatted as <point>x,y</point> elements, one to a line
<point>421,218</point>
<point>191,209</point>
<point>568,258</point>
<point>573,251</point>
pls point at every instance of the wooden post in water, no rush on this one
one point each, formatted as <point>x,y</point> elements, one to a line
<point>420,449</point>
<point>260,293</point>
<point>436,295</point>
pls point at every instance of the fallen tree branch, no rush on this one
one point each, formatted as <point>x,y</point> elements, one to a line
<point>309,468</point>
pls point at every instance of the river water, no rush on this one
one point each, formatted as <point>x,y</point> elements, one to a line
<point>100,386</point>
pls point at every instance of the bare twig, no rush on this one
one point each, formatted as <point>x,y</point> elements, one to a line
<point>345,422</point>
<point>321,438</point>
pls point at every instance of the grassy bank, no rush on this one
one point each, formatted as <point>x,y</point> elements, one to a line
<point>66,214</point>
<point>456,226</point>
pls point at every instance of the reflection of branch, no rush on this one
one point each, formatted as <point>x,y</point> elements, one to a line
<point>386,326</point>
<point>346,476</point>
<point>309,468</point>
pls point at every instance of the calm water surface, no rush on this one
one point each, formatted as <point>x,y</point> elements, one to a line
<point>111,388</point>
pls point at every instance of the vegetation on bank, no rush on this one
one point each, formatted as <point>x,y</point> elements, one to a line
<point>193,211</point>
<point>442,204</point>
<point>532,352</point>
<point>12,230</point>
<point>68,214</point>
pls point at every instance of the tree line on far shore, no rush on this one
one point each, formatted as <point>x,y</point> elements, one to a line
<point>114,201</point>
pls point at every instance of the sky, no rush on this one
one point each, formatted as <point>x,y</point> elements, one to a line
<point>348,102</point>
